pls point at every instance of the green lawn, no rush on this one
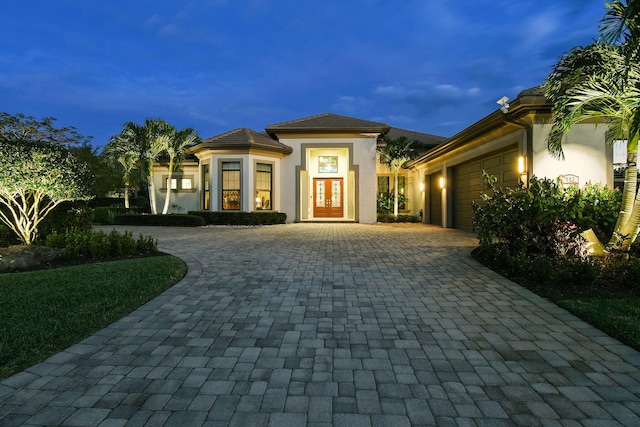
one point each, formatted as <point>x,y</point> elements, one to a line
<point>619,318</point>
<point>43,312</point>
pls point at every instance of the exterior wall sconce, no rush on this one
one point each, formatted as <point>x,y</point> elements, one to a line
<point>421,186</point>
<point>443,183</point>
<point>522,165</point>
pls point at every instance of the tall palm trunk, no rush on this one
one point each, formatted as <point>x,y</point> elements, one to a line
<point>152,193</point>
<point>126,196</point>
<point>395,193</point>
<point>165,209</point>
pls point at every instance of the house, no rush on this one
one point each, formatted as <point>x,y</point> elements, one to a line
<point>319,168</point>
<point>325,167</point>
<point>510,144</point>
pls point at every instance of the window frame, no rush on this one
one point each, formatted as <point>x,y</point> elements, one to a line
<point>177,178</point>
<point>271,190</point>
<point>223,189</point>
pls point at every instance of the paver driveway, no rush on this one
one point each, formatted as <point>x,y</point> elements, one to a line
<point>333,324</point>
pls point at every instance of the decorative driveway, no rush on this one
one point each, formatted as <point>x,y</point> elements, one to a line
<point>333,325</point>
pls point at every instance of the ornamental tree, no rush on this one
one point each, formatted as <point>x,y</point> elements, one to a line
<point>394,153</point>
<point>36,177</point>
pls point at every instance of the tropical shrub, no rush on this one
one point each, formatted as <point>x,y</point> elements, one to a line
<point>173,220</point>
<point>97,245</point>
<point>67,216</point>
<point>385,202</point>
<point>241,218</point>
<point>544,217</point>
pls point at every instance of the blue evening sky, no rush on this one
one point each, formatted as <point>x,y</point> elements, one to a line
<point>425,65</point>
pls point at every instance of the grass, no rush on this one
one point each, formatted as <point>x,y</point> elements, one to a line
<point>42,312</point>
<point>619,318</point>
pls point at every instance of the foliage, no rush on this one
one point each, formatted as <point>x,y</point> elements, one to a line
<point>43,312</point>
<point>386,202</point>
<point>66,216</point>
<point>241,218</point>
<point>173,220</point>
<point>107,214</point>
<point>103,179</point>
<point>399,218</point>
<point>394,153</point>
<point>602,82</point>
<point>178,142</point>
<point>27,128</point>
<point>34,179</point>
<point>137,147</point>
<point>97,245</point>
<point>543,218</point>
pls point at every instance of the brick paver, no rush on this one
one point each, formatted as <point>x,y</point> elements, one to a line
<point>333,324</point>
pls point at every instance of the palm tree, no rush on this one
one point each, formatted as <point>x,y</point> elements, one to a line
<point>597,82</point>
<point>394,153</point>
<point>154,138</point>
<point>123,152</point>
<point>621,25</point>
<point>175,149</point>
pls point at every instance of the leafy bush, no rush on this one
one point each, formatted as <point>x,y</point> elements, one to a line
<point>97,245</point>
<point>526,219</point>
<point>174,220</point>
<point>241,218</point>
<point>67,216</point>
<point>107,214</point>
<point>385,203</point>
<point>400,218</point>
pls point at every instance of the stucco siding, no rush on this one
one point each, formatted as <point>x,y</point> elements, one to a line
<point>586,155</point>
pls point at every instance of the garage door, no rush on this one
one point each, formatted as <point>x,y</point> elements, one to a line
<point>435,199</point>
<point>467,183</point>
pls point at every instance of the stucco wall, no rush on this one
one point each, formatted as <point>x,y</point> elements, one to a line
<point>586,155</point>
<point>180,201</point>
<point>357,162</point>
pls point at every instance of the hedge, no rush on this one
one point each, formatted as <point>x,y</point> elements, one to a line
<point>107,214</point>
<point>241,218</point>
<point>174,220</point>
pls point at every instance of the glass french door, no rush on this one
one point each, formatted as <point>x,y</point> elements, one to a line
<point>328,198</point>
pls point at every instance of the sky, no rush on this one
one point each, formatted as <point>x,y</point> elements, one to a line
<point>433,66</point>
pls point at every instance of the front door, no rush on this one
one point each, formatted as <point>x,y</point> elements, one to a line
<point>327,198</point>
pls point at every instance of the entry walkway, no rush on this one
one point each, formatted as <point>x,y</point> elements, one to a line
<point>333,324</point>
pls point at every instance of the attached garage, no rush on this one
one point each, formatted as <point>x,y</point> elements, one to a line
<point>468,184</point>
<point>434,201</point>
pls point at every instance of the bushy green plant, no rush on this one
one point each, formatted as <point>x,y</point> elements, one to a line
<point>385,202</point>
<point>97,245</point>
<point>400,218</point>
<point>526,218</point>
<point>173,220</point>
<point>67,216</point>
<point>241,218</point>
<point>107,214</point>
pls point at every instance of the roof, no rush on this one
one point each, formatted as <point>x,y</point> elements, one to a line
<point>328,122</point>
<point>242,138</point>
<point>425,140</point>
<point>528,101</point>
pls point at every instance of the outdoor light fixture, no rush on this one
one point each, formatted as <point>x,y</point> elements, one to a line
<point>421,186</point>
<point>442,182</point>
<point>522,165</point>
<point>504,105</point>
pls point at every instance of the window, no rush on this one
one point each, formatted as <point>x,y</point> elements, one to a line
<point>264,182</point>
<point>177,182</point>
<point>206,193</point>
<point>230,185</point>
<point>384,188</point>
<point>383,185</point>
